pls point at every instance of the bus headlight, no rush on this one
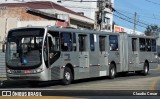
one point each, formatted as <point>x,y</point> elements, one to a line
<point>9,71</point>
<point>39,70</point>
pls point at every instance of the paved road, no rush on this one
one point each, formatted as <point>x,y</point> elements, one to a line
<point>129,82</point>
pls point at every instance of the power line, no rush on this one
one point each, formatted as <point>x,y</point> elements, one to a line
<point>131,19</point>
<point>128,20</point>
<point>142,16</point>
<point>153,2</point>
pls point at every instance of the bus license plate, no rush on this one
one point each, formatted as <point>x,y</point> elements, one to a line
<point>27,71</point>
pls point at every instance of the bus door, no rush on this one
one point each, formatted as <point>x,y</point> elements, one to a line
<point>123,52</point>
<point>103,51</point>
<point>83,53</point>
<point>114,52</point>
<point>135,53</point>
<point>51,51</point>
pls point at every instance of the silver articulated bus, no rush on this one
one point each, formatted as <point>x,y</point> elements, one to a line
<point>51,53</point>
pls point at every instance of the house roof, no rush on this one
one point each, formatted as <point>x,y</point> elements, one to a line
<point>41,5</point>
<point>43,13</point>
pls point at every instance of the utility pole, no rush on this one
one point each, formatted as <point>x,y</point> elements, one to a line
<point>101,7</point>
<point>135,19</point>
<point>102,14</point>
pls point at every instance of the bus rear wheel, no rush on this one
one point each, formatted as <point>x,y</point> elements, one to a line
<point>112,71</point>
<point>145,69</point>
<point>67,76</point>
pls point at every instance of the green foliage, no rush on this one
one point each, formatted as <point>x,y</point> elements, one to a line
<point>152,30</point>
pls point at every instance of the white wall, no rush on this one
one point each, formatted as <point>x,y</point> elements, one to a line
<point>87,7</point>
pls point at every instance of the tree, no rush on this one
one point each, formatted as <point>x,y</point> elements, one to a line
<point>152,30</point>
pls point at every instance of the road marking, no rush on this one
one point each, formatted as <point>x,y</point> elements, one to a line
<point>154,83</point>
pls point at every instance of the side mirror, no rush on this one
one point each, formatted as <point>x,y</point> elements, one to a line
<point>4,47</point>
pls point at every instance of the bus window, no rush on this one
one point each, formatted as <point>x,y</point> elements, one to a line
<point>113,42</point>
<point>148,44</point>
<point>134,44</point>
<point>92,47</point>
<point>82,42</point>
<point>53,41</point>
<point>102,44</point>
<point>142,44</point>
<point>74,42</point>
<point>66,42</point>
<point>153,45</point>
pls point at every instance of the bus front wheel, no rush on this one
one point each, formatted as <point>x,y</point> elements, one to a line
<point>112,71</point>
<point>67,76</point>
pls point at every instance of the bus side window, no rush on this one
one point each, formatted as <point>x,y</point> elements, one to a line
<point>113,42</point>
<point>153,44</point>
<point>82,42</point>
<point>142,44</point>
<point>92,47</point>
<point>134,43</point>
<point>50,44</point>
<point>74,42</point>
<point>66,42</point>
<point>102,44</point>
<point>148,44</point>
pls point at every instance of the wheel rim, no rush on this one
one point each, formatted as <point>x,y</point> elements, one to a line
<point>146,69</point>
<point>112,72</point>
<point>67,76</point>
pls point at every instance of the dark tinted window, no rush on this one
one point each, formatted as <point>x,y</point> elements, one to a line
<point>82,42</point>
<point>113,42</point>
<point>153,45</point>
<point>102,44</point>
<point>142,44</point>
<point>74,42</point>
<point>134,44</point>
<point>66,42</point>
<point>92,47</point>
<point>148,44</point>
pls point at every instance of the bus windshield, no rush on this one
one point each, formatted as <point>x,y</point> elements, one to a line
<point>24,47</point>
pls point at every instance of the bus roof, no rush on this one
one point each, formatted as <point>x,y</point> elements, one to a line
<point>86,31</point>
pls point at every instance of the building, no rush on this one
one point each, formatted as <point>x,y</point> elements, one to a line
<point>118,29</point>
<point>39,13</point>
<point>99,10</point>
<point>93,10</point>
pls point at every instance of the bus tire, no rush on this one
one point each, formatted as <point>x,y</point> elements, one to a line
<point>67,76</point>
<point>112,71</point>
<point>145,69</point>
